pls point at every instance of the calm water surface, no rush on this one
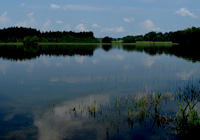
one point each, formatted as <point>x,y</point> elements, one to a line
<point>47,97</point>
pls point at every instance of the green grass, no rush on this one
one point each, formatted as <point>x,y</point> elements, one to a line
<point>12,43</point>
<point>151,43</point>
<point>117,42</point>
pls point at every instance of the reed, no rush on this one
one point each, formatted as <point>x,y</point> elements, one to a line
<point>188,120</point>
<point>144,108</point>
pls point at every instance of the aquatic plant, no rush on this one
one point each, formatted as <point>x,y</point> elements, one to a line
<point>188,120</point>
<point>146,110</point>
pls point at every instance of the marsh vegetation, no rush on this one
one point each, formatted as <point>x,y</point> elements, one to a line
<point>120,116</point>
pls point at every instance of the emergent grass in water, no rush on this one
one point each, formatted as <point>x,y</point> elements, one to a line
<point>146,111</point>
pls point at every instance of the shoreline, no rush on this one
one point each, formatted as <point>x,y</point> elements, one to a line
<point>143,43</point>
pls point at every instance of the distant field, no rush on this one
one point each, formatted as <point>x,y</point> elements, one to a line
<point>11,43</point>
<point>118,41</point>
<point>151,43</point>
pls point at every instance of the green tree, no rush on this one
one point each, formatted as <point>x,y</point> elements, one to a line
<point>107,40</point>
<point>151,36</point>
<point>129,39</point>
<point>28,40</point>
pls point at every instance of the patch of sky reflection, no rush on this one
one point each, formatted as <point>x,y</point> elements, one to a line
<point>28,86</point>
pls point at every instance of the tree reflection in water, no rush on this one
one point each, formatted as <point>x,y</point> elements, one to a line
<point>21,52</point>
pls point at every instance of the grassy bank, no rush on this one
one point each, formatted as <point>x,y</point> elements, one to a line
<point>138,43</point>
<point>151,43</point>
<point>15,43</point>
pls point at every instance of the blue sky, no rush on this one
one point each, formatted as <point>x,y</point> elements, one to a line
<point>115,18</point>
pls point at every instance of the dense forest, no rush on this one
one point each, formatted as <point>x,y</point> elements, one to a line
<point>21,34</point>
<point>189,36</point>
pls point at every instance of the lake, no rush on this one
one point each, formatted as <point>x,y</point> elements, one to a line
<point>83,92</point>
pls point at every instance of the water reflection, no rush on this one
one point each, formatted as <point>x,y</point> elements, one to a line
<point>50,96</point>
<point>31,52</point>
<point>70,120</point>
<point>101,117</point>
<point>185,52</point>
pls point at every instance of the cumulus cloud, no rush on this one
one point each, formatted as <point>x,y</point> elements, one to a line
<point>96,26</point>
<point>77,7</point>
<point>131,19</point>
<point>81,27</point>
<point>54,6</point>
<point>30,15</point>
<point>29,22</point>
<point>149,26</point>
<point>115,30</point>
<point>4,18</point>
<point>59,21</point>
<point>185,12</point>
<point>46,25</point>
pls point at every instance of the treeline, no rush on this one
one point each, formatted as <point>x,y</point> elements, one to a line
<point>189,36</point>
<point>22,34</point>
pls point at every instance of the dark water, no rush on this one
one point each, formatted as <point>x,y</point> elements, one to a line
<point>46,94</point>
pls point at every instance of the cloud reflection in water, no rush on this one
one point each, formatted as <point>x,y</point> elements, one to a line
<point>69,120</point>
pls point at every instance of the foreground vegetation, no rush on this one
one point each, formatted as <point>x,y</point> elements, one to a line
<point>147,110</point>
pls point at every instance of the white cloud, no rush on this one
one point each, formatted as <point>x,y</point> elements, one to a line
<point>4,18</point>
<point>131,19</point>
<point>30,15</point>
<point>185,12</point>
<point>46,25</point>
<point>59,21</point>
<point>149,25</point>
<point>78,7</point>
<point>81,27</point>
<point>54,6</point>
<point>30,22</point>
<point>96,26</point>
<point>115,30</point>
<point>81,7</point>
